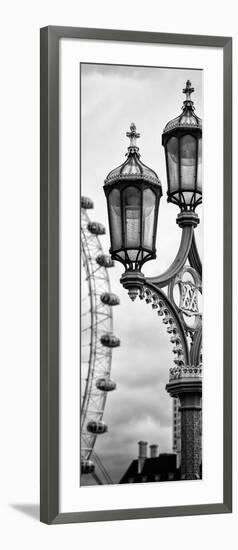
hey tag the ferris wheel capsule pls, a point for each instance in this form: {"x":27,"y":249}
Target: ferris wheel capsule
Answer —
{"x":110,"y":341}
{"x":105,"y":384}
{"x":110,"y":299}
{"x":86,"y":203}
{"x":96,"y":228}
{"x":87,"y":467}
{"x":104,"y":260}
{"x":97,"y":427}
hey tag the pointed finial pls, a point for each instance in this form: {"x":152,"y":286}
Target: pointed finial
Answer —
{"x":188,"y":90}
{"x":133,"y":135}
{"x":133,"y":293}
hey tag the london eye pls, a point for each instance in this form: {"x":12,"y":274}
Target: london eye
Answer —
{"x":97,"y":342}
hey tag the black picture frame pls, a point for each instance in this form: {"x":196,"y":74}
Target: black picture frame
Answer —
{"x":49,"y":275}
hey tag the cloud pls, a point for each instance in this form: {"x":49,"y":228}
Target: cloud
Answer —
{"x":112,"y":72}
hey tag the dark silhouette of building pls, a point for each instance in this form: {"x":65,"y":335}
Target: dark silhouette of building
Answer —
{"x":146,"y":469}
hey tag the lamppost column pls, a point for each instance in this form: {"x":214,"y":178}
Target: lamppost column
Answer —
{"x":189,"y":390}
{"x":190,"y":435}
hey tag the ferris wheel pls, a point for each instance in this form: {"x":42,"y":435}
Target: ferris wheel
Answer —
{"x":97,"y":341}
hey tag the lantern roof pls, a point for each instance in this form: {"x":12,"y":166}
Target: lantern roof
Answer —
{"x":132,"y":168}
{"x":187,"y":119}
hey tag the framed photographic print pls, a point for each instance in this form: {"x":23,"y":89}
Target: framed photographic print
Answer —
{"x":136,"y":275}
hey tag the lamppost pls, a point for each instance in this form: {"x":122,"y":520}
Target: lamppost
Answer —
{"x":133,"y":193}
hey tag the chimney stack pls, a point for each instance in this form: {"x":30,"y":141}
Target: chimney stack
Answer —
{"x":142,"y":449}
{"x":142,"y":455}
{"x":153,"y":451}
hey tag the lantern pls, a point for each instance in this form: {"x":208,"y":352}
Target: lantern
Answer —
{"x":133,"y":194}
{"x":182,"y":141}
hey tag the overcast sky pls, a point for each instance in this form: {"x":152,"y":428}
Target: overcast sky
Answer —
{"x":112,"y":98}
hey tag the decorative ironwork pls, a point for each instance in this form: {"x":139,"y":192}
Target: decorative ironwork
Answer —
{"x":185,"y":377}
{"x":189,"y":298}
{"x":188,"y":90}
{"x":182,"y":318}
{"x":133,"y":135}
{"x":185,"y":371}
{"x":188,"y":303}
{"x":170,"y":318}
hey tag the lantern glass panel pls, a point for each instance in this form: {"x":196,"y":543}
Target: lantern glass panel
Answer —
{"x":148,"y":217}
{"x":199,"y":173}
{"x":132,"y":206}
{"x":188,"y":147}
{"x":173,"y":164}
{"x":115,"y":219}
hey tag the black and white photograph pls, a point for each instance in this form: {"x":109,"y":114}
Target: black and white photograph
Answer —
{"x":119,"y":275}
{"x":141,"y":227}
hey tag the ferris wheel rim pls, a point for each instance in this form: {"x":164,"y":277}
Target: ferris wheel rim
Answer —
{"x":89,"y":439}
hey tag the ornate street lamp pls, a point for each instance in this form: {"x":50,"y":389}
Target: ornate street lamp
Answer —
{"x":133,"y":194}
